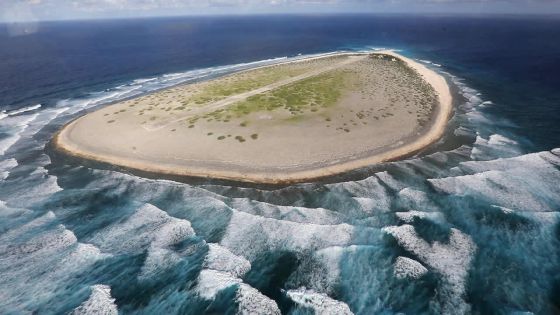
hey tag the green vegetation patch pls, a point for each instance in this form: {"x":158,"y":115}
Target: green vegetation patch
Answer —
{"x":308,"y":95}
{"x":235,"y":84}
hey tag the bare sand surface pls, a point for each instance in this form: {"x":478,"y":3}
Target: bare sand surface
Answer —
{"x":287,"y":123}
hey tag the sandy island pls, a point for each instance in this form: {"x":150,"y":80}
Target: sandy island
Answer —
{"x":279,"y":124}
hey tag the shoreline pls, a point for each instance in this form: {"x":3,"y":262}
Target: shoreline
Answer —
{"x":279,"y":176}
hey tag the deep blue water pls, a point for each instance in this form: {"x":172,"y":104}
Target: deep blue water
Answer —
{"x":472,"y":226}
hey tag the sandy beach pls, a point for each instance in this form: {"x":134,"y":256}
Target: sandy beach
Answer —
{"x":287,"y":123}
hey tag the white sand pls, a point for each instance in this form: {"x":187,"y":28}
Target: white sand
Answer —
{"x":282,"y":154}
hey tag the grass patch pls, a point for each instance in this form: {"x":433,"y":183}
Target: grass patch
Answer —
{"x":240,"y":83}
{"x":308,"y":95}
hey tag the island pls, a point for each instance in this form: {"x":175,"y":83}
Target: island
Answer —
{"x":290,"y":122}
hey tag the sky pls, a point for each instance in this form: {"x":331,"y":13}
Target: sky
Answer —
{"x":37,"y":10}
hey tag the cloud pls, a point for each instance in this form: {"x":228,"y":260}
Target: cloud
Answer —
{"x":65,"y":9}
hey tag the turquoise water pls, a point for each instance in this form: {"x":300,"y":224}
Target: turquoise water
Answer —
{"x":469,"y":226}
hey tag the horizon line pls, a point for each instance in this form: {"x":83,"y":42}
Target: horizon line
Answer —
{"x":279,"y":14}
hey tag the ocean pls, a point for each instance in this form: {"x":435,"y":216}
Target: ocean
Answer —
{"x":471,"y":225}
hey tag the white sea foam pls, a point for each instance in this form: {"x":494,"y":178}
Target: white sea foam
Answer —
{"x":414,"y":198}
{"x":429,"y":62}
{"x":546,"y":219}
{"x":148,"y":228}
{"x":7,"y":213}
{"x":319,"y":302}
{"x":390,"y":181}
{"x":225,"y":270}
{"x":41,"y":259}
{"x":5,"y":166}
{"x":495,"y":146}
{"x":46,"y":218}
{"x":472,"y":96}
{"x":542,"y":163}
{"x":549,"y":219}
{"x":29,"y":258}
{"x":35,"y":188}
{"x":369,"y":193}
{"x":221,"y":259}
{"x":148,"y":225}
{"x":14,"y":126}
{"x":47,"y":245}
{"x":464,"y":132}
{"x":497,"y":139}
{"x":44,"y":117}
{"x":516,"y":189}
{"x":408,"y":268}
{"x":359,"y":271}
{"x":210,"y":282}
{"x":249,"y":235}
{"x":158,"y":260}
{"x":145,"y":189}
{"x":479,"y":119}
{"x":140,"y":81}
{"x":250,"y":301}
{"x":288,"y":213}
{"x":451,"y":260}
{"x":43,"y":244}
{"x":322,"y":272}
{"x":23,"y":110}
{"x":172,"y":232}
{"x":227,"y":68}
{"x":409,"y":216}
{"x":430,"y":165}
{"x":100,"y":302}
{"x":376,"y":48}
{"x":361,"y":188}
{"x":369,"y":205}
{"x":99,"y":98}
{"x":504,"y":209}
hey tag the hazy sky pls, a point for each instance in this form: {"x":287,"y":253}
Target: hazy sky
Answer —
{"x":32,"y":10}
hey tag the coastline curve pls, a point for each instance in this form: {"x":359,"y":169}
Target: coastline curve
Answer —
{"x":63,"y":142}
